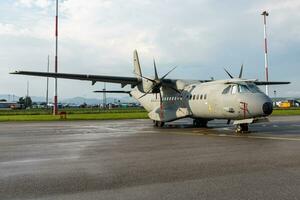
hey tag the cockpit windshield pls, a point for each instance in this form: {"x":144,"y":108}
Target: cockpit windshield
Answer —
{"x":253,"y":88}
{"x":241,"y":88}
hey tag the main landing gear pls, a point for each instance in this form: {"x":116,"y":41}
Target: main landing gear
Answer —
{"x":200,"y":123}
{"x":241,"y":128}
{"x":158,"y":123}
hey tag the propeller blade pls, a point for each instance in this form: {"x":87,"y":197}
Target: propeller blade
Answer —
{"x":146,"y":93}
{"x":149,"y":79}
{"x":167,"y":73}
{"x":161,"y":112}
{"x":228,"y":73}
{"x":174,"y":89}
{"x":241,"y":71}
{"x":155,"y":70}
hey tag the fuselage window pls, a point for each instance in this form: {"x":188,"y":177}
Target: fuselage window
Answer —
{"x":197,"y":97}
{"x":194,"y":97}
{"x":201,"y":96}
{"x":190,"y":97}
{"x":226,"y":90}
{"x":205,"y":96}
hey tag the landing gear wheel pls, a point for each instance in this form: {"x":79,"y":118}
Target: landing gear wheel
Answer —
{"x":200,"y":123}
{"x":159,"y":123}
{"x":242,"y":128}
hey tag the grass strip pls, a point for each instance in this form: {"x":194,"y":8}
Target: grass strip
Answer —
{"x":115,"y":114}
{"x":70,"y":111}
{"x":278,"y":112}
{"x":102,"y":116}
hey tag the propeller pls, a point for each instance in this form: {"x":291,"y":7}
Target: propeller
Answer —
{"x":228,"y":73}
{"x":157,"y":85}
{"x":240,"y":75}
{"x":241,"y":71}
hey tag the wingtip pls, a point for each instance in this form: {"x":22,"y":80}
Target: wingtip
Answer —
{"x":15,"y":72}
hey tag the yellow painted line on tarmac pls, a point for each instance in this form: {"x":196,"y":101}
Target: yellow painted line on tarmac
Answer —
{"x":194,"y":133}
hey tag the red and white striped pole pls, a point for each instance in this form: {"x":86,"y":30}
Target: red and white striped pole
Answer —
{"x":55,"y":108}
{"x":265,"y":14}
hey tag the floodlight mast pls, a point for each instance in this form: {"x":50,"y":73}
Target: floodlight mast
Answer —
{"x":47,"y":89}
{"x":55,"y":108}
{"x":265,"y":14}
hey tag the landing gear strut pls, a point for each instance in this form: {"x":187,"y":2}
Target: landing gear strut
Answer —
{"x":158,"y":123}
{"x":241,"y":128}
{"x":200,"y":123}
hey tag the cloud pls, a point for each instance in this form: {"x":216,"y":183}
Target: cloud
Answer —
{"x":12,"y":30}
{"x":199,"y":36}
{"x":33,"y":3}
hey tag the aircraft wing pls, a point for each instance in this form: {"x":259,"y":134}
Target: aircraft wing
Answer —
{"x":86,"y":77}
{"x":270,"y":82}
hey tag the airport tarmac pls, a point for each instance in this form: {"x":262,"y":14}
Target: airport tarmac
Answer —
{"x":130,"y":159}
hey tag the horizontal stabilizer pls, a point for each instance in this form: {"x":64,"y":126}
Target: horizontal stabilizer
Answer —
{"x":111,"y":91}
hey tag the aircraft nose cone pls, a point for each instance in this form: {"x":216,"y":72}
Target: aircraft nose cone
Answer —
{"x":267,"y":108}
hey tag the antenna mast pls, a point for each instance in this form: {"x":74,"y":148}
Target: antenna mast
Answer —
{"x":47,"y":90}
{"x":265,"y":14}
{"x":55,"y":108}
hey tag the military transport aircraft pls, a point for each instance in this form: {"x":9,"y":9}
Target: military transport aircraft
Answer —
{"x":167,"y":100}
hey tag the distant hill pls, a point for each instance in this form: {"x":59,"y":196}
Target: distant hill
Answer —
{"x":74,"y":100}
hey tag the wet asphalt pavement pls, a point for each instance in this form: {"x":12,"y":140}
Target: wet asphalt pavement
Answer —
{"x":130,"y":159}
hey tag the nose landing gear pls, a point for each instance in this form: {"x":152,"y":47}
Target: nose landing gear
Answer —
{"x":241,"y":128}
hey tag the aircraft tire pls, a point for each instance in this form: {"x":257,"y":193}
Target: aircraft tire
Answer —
{"x":242,"y":128}
{"x":159,"y":123}
{"x":200,"y":123}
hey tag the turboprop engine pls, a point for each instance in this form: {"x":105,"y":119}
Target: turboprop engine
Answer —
{"x":147,"y":85}
{"x":153,"y":85}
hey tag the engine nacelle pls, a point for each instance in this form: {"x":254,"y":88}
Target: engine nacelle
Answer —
{"x":147,"y":85}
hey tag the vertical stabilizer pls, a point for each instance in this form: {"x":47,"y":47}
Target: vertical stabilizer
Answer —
{"x":137,"y":67}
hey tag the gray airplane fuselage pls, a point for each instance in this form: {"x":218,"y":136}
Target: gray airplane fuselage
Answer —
{"x":209,"y":101}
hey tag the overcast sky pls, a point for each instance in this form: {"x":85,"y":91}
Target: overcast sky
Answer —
{"x":201,"y":37}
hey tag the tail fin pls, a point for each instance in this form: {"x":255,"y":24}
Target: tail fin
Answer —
{"x":137,"y":67}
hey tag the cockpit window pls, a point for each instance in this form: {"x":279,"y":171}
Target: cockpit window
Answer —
{"x":226,"y":90}
{"x":253,"y":88}
{"x":243,"y":89}
{"x":234,"y":89}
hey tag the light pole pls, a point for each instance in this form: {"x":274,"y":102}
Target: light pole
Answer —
{"x":47,"y":90}
{"x":55,"y":108}
{"x":265,"y":14}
